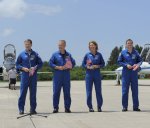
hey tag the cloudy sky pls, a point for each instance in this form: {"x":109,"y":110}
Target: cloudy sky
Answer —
{"x":109,"y":22}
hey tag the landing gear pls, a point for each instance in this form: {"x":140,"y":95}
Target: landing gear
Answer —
{"x":118,"y":82}
{"x":118,"y":79}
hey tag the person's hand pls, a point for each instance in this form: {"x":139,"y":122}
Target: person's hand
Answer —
{"x":25,"y":69}
{"x":67,"y":68}
{"x":129,"y":66}
{"x":90,"y":67}
{"x":135,"y":67}
{"x":60,"y":67}
{"x":96,"y":66}
{"x":32,"y":69}
{"x":64,"y":67}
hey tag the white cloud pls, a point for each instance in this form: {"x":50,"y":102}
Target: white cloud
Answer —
{"x":12,"y":9}
{"x":45,"y":9}
{"x":18,"y":8}
{"x":6,"y":32}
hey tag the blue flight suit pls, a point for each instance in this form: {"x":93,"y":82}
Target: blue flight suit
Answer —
{"x":61,"y":78}
{"x":93,"y":76}
{"x":129,"y":76}
{"x":28,"y":60}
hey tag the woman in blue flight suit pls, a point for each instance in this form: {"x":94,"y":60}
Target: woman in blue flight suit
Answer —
{"x":130,"y":60}
{"x":93,"y":61}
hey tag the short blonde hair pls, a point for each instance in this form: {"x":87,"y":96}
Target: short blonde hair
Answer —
{"x":63,"y":41}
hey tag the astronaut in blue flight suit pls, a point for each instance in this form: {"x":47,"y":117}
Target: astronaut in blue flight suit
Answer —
{"x":28,"y":62}
{"x":61,"y":62}
{"x":93,"y":61}
{"x":130,"y":60}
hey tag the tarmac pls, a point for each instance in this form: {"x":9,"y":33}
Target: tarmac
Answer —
{"x":111,"y":117}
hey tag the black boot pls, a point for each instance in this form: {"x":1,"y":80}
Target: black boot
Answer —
{"x":21,"y":112}
{"x":91,"y":110}
{"x":124,"y":110}
{"x":99,"y":109}
{"x":136,"y":109}
{"x":55,"y":110}
{"x":33,"y":112}
{"x":67,"y":110}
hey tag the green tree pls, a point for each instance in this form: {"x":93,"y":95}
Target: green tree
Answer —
{"x":138,"y":48}
{"x":114,"y":56}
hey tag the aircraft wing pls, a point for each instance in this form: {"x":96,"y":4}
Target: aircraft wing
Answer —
{"x":44,"y":72}
{"x":109,"y":73}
